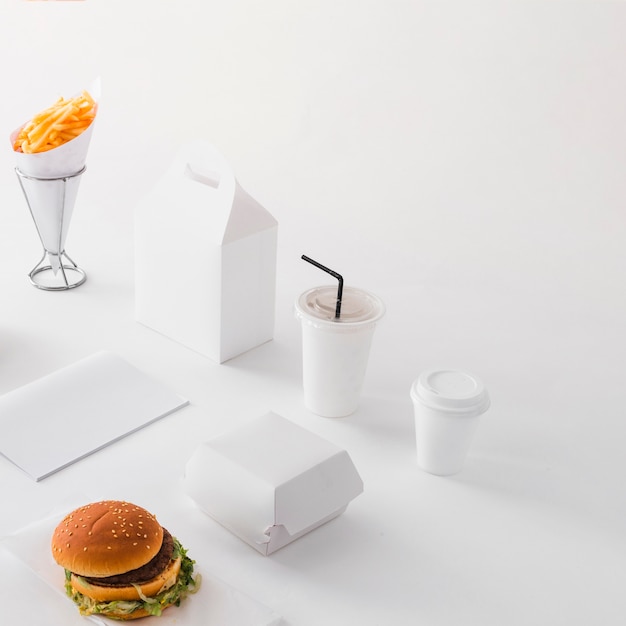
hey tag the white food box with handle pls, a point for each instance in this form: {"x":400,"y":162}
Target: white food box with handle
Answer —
{"x":205,"y":258}
{"x":270,"y":481}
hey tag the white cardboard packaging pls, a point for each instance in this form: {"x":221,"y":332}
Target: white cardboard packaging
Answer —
{"x":205,"y":258}
{"x":271,"y":481}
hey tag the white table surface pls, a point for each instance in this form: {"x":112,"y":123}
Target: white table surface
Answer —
{"x":465,"y":161}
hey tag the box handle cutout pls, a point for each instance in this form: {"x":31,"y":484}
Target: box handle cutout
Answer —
{"x":209,"y":178}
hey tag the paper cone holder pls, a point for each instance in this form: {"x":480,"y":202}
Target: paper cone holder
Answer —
{"x":66,"y":275}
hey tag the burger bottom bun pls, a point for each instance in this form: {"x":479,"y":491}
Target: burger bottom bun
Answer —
{"x":136,"y":614}
{"x":165,"y":580}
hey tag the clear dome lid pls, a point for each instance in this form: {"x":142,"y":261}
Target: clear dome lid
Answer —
{"x":318,"y":305}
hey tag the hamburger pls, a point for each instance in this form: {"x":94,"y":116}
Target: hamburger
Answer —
{"x":120,"y":562}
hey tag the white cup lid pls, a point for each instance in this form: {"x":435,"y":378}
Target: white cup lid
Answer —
{"x":451,"y":391}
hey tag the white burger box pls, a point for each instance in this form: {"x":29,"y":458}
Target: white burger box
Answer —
{"x":205,"y":258}
{"x":271,"y":481}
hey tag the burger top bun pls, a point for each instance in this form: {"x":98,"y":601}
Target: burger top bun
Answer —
{"x":106,"y":539}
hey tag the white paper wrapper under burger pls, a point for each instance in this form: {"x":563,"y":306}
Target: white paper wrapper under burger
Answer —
{"x":335,"y":352}
{"x":52,"y":211}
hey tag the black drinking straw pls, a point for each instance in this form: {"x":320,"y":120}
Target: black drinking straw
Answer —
{"x":339,"y":277}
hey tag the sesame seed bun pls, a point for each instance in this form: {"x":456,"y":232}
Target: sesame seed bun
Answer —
{"x":120,"y":562}
{"x":106,"y":538}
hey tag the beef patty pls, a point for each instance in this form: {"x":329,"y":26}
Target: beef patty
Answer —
{"x":144,"y":573}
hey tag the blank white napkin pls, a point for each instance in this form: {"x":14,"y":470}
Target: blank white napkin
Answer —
{"x":59,"y":419}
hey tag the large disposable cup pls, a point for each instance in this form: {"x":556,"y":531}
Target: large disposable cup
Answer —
{"x":335,"y":351}
{"x":447,"y":406}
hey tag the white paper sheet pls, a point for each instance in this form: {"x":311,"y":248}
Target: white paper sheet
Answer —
{"x":214,"y":604}
{"x":59,"y":419}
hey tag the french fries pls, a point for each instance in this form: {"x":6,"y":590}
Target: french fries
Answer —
{"x":56,"y":125}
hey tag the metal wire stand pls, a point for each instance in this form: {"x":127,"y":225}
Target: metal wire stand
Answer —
{"x":66,"y":275}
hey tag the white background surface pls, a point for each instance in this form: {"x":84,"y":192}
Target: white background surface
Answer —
{"x":463,"y":160}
